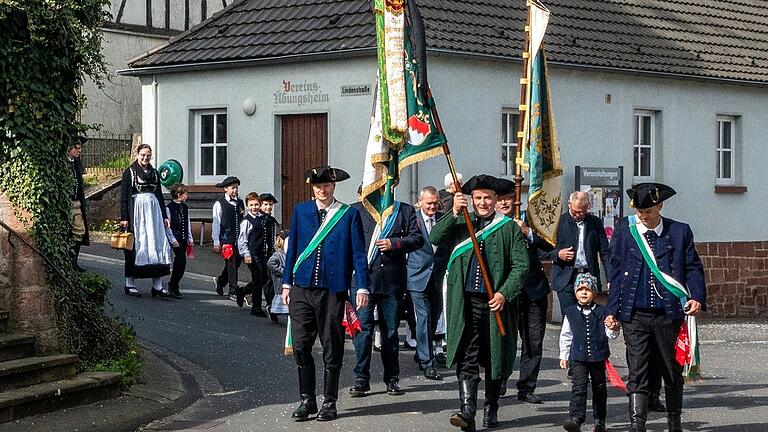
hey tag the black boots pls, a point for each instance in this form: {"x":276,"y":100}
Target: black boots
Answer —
{"x":331,"y":390}
{"x":74,"y":255}
{"x":674,"y":398}
{"x":308,"y":405}
{"x":638,"y":411}
{"x":465,"y":419}
{"x":491,"y":408}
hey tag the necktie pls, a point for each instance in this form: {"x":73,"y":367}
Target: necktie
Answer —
{"x":430,"y":223}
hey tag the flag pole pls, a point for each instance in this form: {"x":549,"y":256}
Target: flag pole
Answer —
{"x":523,"y":109}
{"x":475,"y":245}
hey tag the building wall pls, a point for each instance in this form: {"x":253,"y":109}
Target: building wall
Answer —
{"x":470,"y":95}
{"x":117,"y":106}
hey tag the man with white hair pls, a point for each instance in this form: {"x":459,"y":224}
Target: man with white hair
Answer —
{"x":580,"y":239}
{"x":446,"y":195}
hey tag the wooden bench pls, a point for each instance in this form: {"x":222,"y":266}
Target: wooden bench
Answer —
{"x":200,"y":203}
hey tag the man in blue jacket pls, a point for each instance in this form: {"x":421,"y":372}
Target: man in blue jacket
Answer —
{"x":651,"y":310}
{"x":325,"y":245}
{"x":387,"y":245}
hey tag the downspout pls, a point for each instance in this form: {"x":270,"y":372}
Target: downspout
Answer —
{"x":154,"y":110}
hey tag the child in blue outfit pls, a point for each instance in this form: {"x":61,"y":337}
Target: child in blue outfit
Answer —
{"x":584,"y":348}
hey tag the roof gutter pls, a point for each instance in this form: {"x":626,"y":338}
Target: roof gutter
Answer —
{"x":358,"y":52}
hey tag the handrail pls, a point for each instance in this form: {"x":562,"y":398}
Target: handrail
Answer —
{"x":34,"y":248}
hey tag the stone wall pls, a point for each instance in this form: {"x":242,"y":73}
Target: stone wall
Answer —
{"x":23,"y":290}
{"x":737,"y":278}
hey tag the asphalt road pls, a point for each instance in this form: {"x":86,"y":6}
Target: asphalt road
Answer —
{"x":259,"y":384}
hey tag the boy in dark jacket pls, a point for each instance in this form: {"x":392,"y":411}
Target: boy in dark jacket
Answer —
{"x":179,"y":235}
{"x":584,"y":347}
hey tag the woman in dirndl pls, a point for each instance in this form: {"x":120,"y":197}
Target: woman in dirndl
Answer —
{"x":142,"y":212}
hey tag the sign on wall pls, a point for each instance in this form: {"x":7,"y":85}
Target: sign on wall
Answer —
{"x":356,"y":90}
{"x":605,"y":187}
{"x":299,"y":94}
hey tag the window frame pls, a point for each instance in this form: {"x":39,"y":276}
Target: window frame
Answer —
{"x":214,"y":178}
{"x":637,"y":115}
{"x":511,"y":135}
{"x":720,"y":120}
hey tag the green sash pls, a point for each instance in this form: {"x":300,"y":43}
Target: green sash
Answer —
{"x":335,"y":212}
{"x":499,"y":220}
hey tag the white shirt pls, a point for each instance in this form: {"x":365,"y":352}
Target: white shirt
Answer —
{"x":217,"y":218}
{"x":642,"y":229}
{"x":566,"y":335}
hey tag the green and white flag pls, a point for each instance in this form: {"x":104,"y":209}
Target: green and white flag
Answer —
{"x":541,"y":153}
{"x":401,"y":59}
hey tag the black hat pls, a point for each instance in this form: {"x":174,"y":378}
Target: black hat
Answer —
{"x":483,"y":181}
{"x":325,"y":174}
{"x":646,"y":195}
{"x":506,"y":187}
{"x":228,"y":181}
{"x":268,"y":197}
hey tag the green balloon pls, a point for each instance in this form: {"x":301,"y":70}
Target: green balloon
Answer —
{"x":170,"y":172}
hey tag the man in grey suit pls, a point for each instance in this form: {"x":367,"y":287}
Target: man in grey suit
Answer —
{"x":426,"y":267}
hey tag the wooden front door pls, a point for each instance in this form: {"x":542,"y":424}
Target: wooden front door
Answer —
{"x":304,"y":145}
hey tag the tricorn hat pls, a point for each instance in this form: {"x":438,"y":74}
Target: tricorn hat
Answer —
{"x":483,"y":181}
{"x":268,"y":197}
{"x":646,"y":195}
{"x":228,"y":181}
{"x":325,"y":174}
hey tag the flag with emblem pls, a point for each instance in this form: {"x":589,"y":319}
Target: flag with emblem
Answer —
{"x":541,"y":155}
{"x":402,"y":130}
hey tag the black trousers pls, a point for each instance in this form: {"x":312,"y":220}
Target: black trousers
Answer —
{"x":179,"y":264}
{"x":582,"y":373}
{"x":406,"y":312}
{"x":228,"y":275}
{"x":313,"y":312}
{"x":259,"y":279}
{"x":474,"y":349}
{"x":648,"y":334}
{"x":532,"y":323}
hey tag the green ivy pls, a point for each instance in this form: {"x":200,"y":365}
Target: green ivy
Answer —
{"x":47,"y":49}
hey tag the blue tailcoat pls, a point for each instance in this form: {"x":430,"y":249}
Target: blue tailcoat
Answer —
{"x":343,"y":250}
{"x":675,"y":255}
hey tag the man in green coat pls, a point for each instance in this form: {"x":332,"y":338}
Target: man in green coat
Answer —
{"x":474,"y":338}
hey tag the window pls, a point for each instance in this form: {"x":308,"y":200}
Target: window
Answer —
{"x":509,"y":124}
{"x":644,"y":145}
{"x":211,"y":140}
{"x":726,"y":150}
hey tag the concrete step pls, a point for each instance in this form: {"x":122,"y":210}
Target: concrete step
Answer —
{"x":29,"y":371}
{"x":16,"y":346}
{"x":83,"y":389}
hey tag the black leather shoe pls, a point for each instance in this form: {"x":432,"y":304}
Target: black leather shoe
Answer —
{"x":327,"y":412}
{"x":258,"y":311}
{"x":307,"y":407}
{"x":572,"y":425}
{"x":160,"y":293}
{"x":440,"y":359}
{"x":174,"y":292}
{"x":431,"y":373}
{"x":393,"y":388}
{"x":219,"y":286}
{"x":272,"y":316}
{"x":529,"y":398}
{"x":408,"y":346}
{"x":132,"y":291}
{"x":359,"y":389}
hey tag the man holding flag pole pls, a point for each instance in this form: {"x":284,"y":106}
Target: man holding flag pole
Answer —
{"x":657,"y":289}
